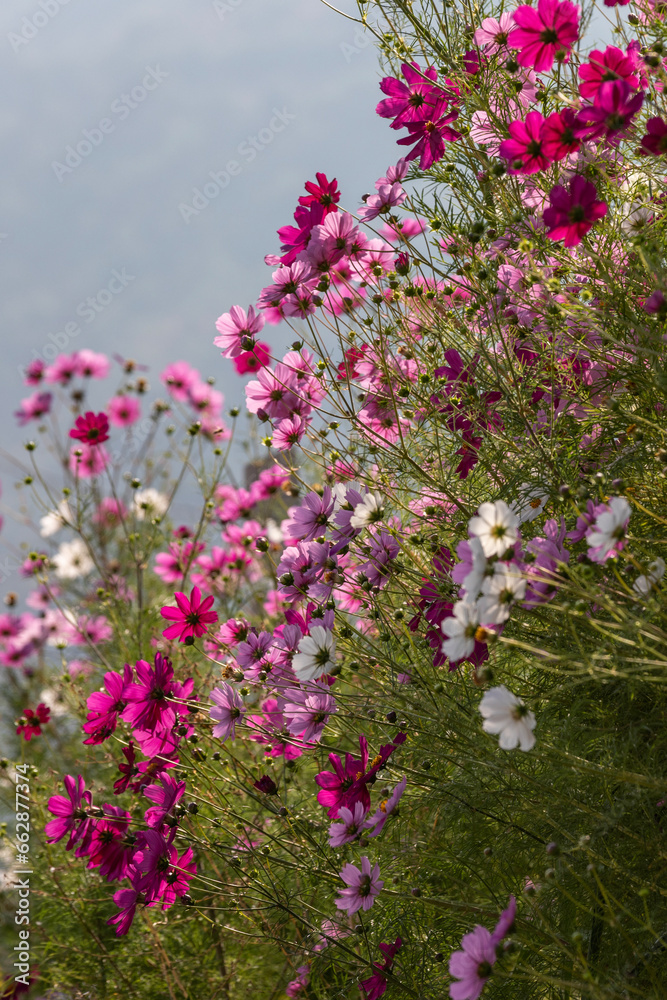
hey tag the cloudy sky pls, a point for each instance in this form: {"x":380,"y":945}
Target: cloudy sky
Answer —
{"x":114,"y":116}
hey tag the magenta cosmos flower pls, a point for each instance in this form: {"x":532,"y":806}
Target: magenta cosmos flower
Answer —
{"x":558,"y":138}
{"x":33,"y":407}
{"x":228,"y":709}
{"x":541,"y":33}
{"x":92,"y":428}
{"x":612,"y":64}
{"x":525,"y":148}
{"x":363,"y":885}
{"x":654,"y":143}
{"x":33,"y":720}
{"x":405,"y":101}
{"x":152,"y":702}
{"x":376,"y":985}
{"x":571,"y":214}
{"x":71,"y":813}
{"x":191,"y":618}
{"x":430,"y":134}
{"x":611,"y":113}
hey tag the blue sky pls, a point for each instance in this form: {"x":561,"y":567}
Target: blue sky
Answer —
{"x":113,"y":117}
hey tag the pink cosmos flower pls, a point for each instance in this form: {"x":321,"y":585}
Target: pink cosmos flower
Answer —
{"x":91,"y":364}
{"x":92,"y":428}
{"x":571,"y":214}
{"x":430,"y":135}
{"x":237,"y":330}
{"x":163,"y":875}
{"x":299,"y":984}
{"x":611,"y":113}
{"x":654,"y":142}
{"x":251,"y":361}
{"x":558,"y":138}
{"x":524,"y":148}
{"x":376,"y":985}
{"x":110,"y":512}
{"x":612,"y":64}
{"x":307,"y":713}
{"x":108,"y":848}
{"x":324,"y":192}
{"x":179,"y":377}
{"x":165,"y":796}
{"x":492,"y":35}
{"x":152,"y":702}
{"x":473,"y":965}
{"x":32,"y":721}
{"x":405,"y":102}
{"x":104,"y":709}
{"x":350,"y":826}
{"x":228,"y":709}
{"x":33,"y":407}
{"x":656,"y":304}
{"x":191,"y":617}
{"x":63,"y":369}
{"x":34,"y":372}
{"x":123,"y":411}
{"x":88,"y":460}
{"x":127,"y":901}
{"x":375,"y":823}
{"x":363,"y":885}
{"x":71,"y":812}
{"x":541,"y":33}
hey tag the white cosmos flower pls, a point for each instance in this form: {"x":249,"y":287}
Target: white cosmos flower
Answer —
{"x":609,"y":528}
{"x":149,"y":503}
{"x":273,"y":531}
{"x":529,"y":504}
{"x":500,"y":591}
{"x":72,"y":560}
{"x":507,"y":716}
{"x":316,"y":656}
{"x":644,"y":584}
{"x":460,"y":631}
{"x":369,"y":511}
{"x":496,"y":527}
{"x":55,"y":519}
{"x":472,"y":582}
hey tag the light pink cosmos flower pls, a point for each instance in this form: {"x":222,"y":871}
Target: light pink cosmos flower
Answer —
{"x":363,"y":886}
{"x":540,"y":34}
{"x":33,"y":407}
{"x":307,"y":712}
{"x":607,"y":536}
{"x":351,"y":825}
{"x":88,"y":460}
{"x":375,"y":823}
{"x":91,"y":364}
{"x":473,"y":965}
{"x":178,"y":377}
{"x":227,"y":710}
{"x":492,"y":35}
{"x":123,"y":411}
{"x":237,"y":330}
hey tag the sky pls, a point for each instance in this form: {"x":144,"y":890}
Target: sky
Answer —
{"x":151,"y":148}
